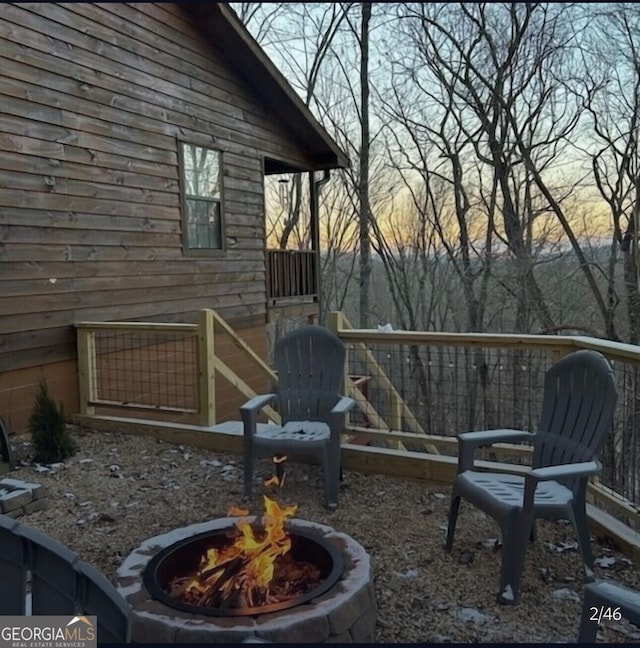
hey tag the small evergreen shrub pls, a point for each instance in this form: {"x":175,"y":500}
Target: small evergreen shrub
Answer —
{"x":49,"y":435}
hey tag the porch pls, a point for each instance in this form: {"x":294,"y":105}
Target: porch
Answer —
{"x":421,"y":390}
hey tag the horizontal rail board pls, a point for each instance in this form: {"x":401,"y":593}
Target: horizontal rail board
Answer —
{"x":139,"y":326}
{"x":142,"y":406}
{"x":613,"y":350}
{"x":450,"y":443}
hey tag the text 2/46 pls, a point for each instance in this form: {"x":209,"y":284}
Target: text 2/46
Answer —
{"x":603,"y":613}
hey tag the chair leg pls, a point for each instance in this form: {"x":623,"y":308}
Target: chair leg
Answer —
{"x":515,"y":537}
{"x":453,"y":518}
{"x":584,"y":541}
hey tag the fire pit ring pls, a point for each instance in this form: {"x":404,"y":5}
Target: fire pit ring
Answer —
{"x":187,"y":552}
{"x":345,"y":613}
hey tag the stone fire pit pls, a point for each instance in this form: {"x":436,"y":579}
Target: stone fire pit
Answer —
{"x":346,"y":613}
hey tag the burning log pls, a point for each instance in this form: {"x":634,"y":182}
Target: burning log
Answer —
{"x":253,"y":569}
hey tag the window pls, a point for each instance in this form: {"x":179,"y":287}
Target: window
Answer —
{"x":201,"y":197}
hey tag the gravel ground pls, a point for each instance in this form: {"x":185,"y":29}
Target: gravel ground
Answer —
{"x":119,"y":490}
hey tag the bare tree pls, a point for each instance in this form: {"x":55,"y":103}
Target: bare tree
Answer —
{"x":258,"y":17}
{"x":303,"y":41}
{"x":502,"y":77}
{"x":613,"y":101}
{"x":339,"y":240}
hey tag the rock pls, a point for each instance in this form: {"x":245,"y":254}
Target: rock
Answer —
{"x":471,"y":615}
{"x":413,"y":572}
{"x":605,"y":562}
{"x":566,"y":594}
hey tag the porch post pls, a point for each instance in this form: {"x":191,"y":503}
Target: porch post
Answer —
{"x":315,"y":236}
{"x":314,"y":194}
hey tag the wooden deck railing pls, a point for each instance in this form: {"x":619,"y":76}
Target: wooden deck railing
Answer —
{"x":453,"y":382}
{"x":291,"y":274}
{"x":422,"y":389}
{"x":159,"y":367}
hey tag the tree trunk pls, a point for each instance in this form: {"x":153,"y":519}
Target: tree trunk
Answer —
{"x":363,"y":189}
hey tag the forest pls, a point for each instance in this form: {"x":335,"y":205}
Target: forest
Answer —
{"x":494,"y":174}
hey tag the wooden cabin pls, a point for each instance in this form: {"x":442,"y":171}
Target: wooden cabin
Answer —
{"x":135,"y":140}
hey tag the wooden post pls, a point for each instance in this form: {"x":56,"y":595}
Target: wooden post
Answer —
{"x":395,"y":413}
{"x":206,"y":368}
{"x":87,"y":378}
{"x":335,"y":323}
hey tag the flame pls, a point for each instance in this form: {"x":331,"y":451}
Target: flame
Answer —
{"x":243,"y":570}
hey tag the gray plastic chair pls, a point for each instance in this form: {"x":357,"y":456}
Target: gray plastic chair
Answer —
{"x":579,"y":399}
{"x":61,"y":584}
{"x":310,"y":365}
{"x":609,"y":599}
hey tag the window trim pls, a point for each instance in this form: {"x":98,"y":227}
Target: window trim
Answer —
{"x":186,"y":249}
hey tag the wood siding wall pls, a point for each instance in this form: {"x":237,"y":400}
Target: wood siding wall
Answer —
{"x":93,"y":99}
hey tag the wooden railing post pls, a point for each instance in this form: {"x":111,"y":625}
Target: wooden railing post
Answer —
{"x":206,"y":368}
{"x":87,"y":379}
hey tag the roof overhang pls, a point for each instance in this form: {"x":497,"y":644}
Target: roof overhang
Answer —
{"x":223,"y":26}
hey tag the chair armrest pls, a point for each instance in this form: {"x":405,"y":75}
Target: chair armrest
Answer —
{"x":468,"y":442}
{"x":336,"y":416}
{"x":249,"y":412}
{"x":257,"y":403}
{"x":344,"y":405}
{"x":564,"y":471}
{"x":555,"y":473}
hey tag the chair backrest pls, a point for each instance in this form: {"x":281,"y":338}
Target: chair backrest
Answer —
{"x":310,"y":365}
{"x":577,"y":409}
{"x":60,"y":583}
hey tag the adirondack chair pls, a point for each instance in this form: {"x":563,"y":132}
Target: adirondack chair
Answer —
{"x":60,"y":583}
{"x":310,"y":365}
{"x":579,"y":399}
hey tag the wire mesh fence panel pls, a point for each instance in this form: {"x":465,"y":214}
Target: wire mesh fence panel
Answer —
{"x":620,"y":457}
{"x":147,"y":369}
{"x":456,"y":388}
{"x":452,"y":389}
